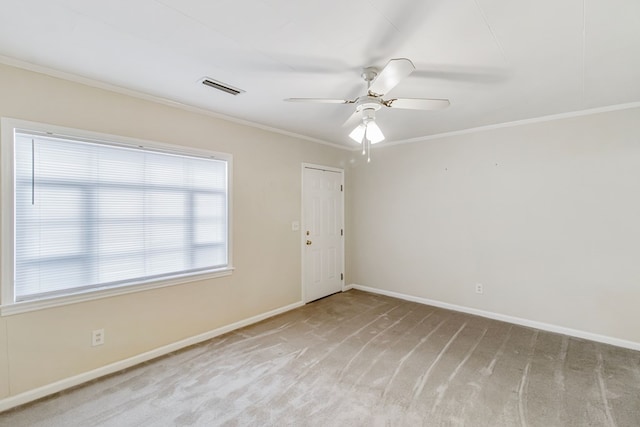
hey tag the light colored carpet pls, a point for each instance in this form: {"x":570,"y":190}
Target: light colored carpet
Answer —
{"x":361,"y":359}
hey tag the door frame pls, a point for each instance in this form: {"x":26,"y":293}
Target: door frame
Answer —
{"x":303,"y":237}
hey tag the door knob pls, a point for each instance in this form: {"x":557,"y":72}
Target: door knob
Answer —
{"x":308,"y":242}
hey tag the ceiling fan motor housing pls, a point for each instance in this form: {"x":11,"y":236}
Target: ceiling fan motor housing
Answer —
{"x":368,"y":102}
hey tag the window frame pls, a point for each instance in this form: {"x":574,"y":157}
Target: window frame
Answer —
{"x":8,"y":127}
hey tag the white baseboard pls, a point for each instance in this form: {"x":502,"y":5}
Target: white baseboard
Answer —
{"x":40,"y":392}
{"x":503,"y":317}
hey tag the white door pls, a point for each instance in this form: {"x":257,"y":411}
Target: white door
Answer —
{"x":322,"y":231}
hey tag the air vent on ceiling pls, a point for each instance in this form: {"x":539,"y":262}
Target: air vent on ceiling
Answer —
{"x":221,"y":86}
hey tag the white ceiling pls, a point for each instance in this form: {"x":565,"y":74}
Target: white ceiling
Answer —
{"x":496,"y":60}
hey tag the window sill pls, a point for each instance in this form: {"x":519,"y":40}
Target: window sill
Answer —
{"x":26,"y":306}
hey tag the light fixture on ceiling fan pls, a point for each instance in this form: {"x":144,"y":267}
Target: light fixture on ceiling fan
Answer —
{"x":367,"y":132}
{"x":379,"y":83}
{"x":368,"y":129}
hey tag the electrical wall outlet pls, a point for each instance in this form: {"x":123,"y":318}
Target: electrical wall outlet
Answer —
{"x":479,"y":288}
{"x":97,"y":337}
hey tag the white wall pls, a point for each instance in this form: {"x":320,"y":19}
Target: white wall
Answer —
{"x":546,"y":216}
{"x":41,"y":347}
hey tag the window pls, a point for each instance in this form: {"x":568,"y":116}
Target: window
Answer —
{"x":90,"y":215}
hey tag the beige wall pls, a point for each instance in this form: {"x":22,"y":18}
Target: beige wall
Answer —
{"x":546,"y":216}
{"x":40,"y":347}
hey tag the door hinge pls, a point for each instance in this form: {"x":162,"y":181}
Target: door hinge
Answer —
{"x":341,"y":187}
{"x":341,"y":232}
{"x":341,"y":276}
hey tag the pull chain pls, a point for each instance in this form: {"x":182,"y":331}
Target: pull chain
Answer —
{"x":364,"y":141}
{"x":366,"y":146}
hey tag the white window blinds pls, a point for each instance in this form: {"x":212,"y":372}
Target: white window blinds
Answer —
{"x":91,"y":215}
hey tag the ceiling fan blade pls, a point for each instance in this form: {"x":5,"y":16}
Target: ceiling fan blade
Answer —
{"x":320,"y":100}
{"x":418,"y":103}
{"x":353,"y":119}
{"x":465,"y":74}
{"x":391,"y":75}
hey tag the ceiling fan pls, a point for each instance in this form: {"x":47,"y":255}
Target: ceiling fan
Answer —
{"x":378,"y":84}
